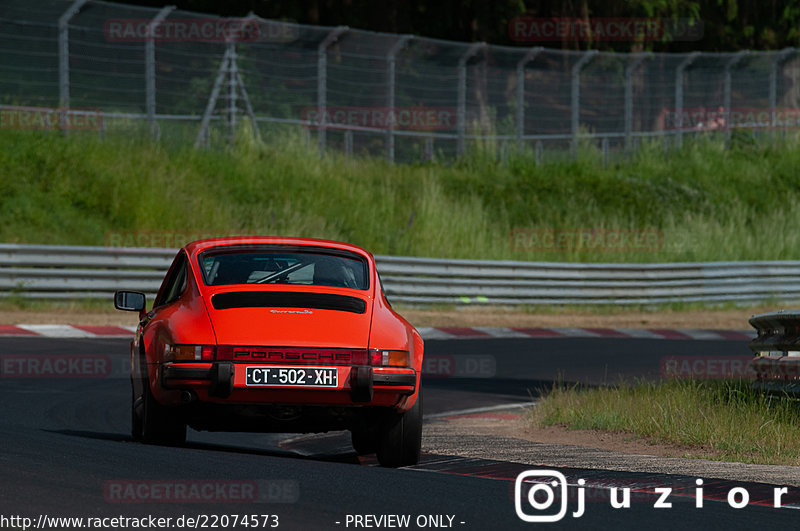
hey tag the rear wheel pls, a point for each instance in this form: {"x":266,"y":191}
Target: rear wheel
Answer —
{"x":151,"y":422}
{"x":160,"y":425}
{"x":365,"y":441}
{"x":136,"y":415}
{"x":400,"y":439}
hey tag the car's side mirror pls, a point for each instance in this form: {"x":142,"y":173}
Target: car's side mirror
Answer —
{"x":132,"y":301}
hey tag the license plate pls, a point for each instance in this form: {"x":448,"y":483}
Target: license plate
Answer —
{"x":291,"y":376}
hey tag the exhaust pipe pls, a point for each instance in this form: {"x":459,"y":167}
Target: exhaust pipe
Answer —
{"x":187,"y":397}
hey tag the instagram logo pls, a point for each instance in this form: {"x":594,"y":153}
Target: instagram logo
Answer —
{"x":543,"y":486}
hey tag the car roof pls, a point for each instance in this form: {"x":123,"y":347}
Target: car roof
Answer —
{"x":198,"y":246}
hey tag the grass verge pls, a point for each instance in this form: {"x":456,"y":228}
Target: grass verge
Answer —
{"x":723,"y":316}
{"x":17,"y":303}
{"x":706,"y":202}
{"x":720,"y":420}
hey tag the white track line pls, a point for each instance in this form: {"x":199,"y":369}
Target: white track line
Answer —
{"x":434,"y":333}
{"x":500,"y":332}
{"x":697,"y":334}
{"x":486,"y":409}
{"x":574,"y":332}
{"x":638,"y":333}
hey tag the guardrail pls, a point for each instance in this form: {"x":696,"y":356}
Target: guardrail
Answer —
{"x":57,"y":272}
{"x":777,"y":348}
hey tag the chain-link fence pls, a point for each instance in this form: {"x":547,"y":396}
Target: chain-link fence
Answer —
{"x":188,"y":77}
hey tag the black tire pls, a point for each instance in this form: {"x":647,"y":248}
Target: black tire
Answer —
{"x":151,"y":422}
{"x":136,"y":415}
{"x":400,"y":439}
{"x":138,"y":377}
{"x":160,"y":425}
{"x":365,"y":441}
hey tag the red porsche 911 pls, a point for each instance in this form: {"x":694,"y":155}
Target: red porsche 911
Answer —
{"x":276,"y":335}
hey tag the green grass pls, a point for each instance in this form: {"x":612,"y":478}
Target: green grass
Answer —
{"x":709,"y":203}
{"x":13,"y":303}
{"x":722,"y":420}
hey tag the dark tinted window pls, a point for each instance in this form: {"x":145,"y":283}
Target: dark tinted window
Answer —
{"x":175,"y":285}
{"x":341,"y":270}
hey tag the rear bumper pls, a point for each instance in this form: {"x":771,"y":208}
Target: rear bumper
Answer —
{"x":396,"y":380}
{"x":224,"y":382}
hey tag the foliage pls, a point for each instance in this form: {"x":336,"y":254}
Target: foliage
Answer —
{"x":726,"y":420}
{"x":727,"y":24}
{"x":707,"y":203}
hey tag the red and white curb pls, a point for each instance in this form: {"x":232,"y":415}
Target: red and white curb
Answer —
{"x":641,"y":333}
{"x":66,"y":331}
{"x":88,"y":331}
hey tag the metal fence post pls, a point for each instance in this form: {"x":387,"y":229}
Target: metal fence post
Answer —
{"x":150,"y":69}
{"x":391,"y":59}
{"x":348,"y":143}
{"x":682,"y":66}
{"x":63,"y":59}
{"x":727,"y":93}
{"x":232,"y":110}
{"x":462,"y":93}
{"x":777,"y":60}
{"x":428,"y":154}
{"x":202,"y":135}
{"x":530,"y":56}
{"x":504,"y":152}
{"x":464,"y":57}
{"x":322,"y":83}
{"x":633,"y":65}
{"x":575,"y":77}
{"x":237,"y":81}
{"x":248,"y":107}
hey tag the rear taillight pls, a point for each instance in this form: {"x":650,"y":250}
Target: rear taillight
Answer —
{"x":189,"y":352}
{"x":360,"y":357}
{"x":389,"y":358}
{"x":316,"y":356}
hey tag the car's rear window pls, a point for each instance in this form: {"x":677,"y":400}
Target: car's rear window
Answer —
{"x":311,"y":268}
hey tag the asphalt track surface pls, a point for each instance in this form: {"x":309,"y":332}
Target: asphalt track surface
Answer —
{"x":66,"y":447}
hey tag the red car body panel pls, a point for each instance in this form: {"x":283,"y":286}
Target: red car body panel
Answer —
{"x":192,"y":319}
{"x":322,"y":328}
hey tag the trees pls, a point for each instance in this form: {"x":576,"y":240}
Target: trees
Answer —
{"x":727,"y":24}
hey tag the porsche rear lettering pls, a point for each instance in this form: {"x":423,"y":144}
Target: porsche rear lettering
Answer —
{"x":279,"y":356}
